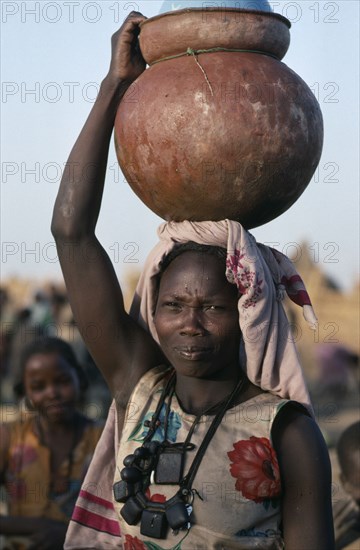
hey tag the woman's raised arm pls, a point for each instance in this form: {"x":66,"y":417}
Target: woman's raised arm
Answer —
{"x":121,"y":349}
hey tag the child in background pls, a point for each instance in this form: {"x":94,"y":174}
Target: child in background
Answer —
{"x":44,"y":455}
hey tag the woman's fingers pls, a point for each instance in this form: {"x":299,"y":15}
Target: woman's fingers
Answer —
{"x":127,"y":62}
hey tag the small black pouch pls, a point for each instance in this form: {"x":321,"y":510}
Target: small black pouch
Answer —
{"x":154,"y":524}
{"x":176,"y":513}
{"x":123,"y":490}
{"x":132,"y":510}
{"x":169,"y":467}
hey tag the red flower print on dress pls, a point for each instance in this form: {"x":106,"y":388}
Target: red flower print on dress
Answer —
{"x":133,"y":543}
{"x":156,"y":497}
{"x":255,"y":468}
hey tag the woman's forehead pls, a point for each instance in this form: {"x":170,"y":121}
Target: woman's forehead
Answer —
{"x":193,"y":267}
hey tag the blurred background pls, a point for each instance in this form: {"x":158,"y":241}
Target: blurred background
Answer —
{"x":53,"y":58}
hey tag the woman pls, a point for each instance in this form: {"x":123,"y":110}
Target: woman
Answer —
{"x":174,"y":369}
{"x":45,"y":454}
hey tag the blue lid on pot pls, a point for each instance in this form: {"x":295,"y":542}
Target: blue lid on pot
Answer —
{"x":173,"y":5}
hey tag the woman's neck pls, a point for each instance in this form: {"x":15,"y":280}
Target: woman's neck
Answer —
{"x":198,"y":395}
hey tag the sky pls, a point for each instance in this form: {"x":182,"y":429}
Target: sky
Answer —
{"x":54,"y":55}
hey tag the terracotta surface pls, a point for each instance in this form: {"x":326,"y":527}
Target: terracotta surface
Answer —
{"x":196,"y":28}
{"x":220,"y":135}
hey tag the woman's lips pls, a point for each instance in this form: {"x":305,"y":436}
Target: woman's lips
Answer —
{"x":193,"y":353}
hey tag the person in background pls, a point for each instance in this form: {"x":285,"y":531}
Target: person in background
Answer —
{"x":338,"y":368}
{"x":347,"y":510}
{"x":45,"y":454}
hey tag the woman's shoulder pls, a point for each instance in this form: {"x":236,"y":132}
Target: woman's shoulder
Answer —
{"x":306,"y":478}
{"x":254,"y":396}
{"x":296,"y":433}
{"x":257,"y":405}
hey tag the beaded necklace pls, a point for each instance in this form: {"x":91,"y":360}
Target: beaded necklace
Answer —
{"x":163,"y":462}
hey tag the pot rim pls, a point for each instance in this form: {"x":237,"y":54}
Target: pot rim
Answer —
{"x":211,"y":9}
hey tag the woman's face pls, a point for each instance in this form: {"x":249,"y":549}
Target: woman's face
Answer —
{"x":196,"y":317}
{"x":52,"y":385}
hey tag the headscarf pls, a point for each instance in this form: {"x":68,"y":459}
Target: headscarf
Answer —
{"x":263,"y":275}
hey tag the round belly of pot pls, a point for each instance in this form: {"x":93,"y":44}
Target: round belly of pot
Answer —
{"x":221,"y":134}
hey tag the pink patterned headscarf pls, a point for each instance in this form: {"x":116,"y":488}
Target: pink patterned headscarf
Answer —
{"x":268,"y":354}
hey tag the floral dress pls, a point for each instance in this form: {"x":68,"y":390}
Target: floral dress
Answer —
{"x":238,"y":489}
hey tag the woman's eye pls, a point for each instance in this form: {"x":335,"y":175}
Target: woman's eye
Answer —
{"x":172,"y":305}
{"x":213,"y":308}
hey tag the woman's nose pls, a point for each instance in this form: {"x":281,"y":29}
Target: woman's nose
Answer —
{"x":192,"y":322}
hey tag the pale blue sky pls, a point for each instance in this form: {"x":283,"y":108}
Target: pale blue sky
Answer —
{"x":54,"y":55}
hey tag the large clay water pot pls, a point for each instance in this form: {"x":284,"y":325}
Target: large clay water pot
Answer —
{"x":208,"y":135}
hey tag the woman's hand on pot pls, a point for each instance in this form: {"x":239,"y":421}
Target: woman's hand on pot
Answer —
{"x":127,"y":62}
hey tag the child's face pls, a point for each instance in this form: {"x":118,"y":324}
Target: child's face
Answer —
{"x":52,"y":385}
